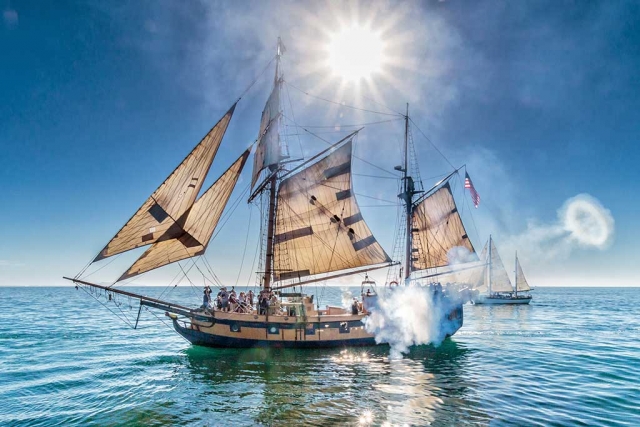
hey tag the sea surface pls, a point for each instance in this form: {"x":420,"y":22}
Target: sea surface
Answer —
{"x":571,"y":358}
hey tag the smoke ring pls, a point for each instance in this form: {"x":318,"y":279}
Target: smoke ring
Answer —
{"x":588,"y":222}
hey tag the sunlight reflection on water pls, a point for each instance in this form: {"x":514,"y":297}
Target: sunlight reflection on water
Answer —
{"x":564,"y":360}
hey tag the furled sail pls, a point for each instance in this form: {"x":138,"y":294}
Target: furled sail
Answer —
{"x":437,"y":229}
{"x":268,"y":151}
{"x":500,"y":281}
{"x":191,"y":239}
{"x":319,"y":227}
{"x":521,"y":281}
{"x":158,"y":215}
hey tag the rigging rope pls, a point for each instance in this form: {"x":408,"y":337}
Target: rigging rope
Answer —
{"x":354,"y":156}
{"x":348,"y":126}
{"x":246,"y":240}
{"x":256,"y":78}
{"x":342,"y":104}
{"x":432,"y":144}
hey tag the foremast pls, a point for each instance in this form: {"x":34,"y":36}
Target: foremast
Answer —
{"x":273,"y":183}
{"x":433,"y":225}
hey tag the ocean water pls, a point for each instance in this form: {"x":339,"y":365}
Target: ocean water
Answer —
{"x":571,"y":358}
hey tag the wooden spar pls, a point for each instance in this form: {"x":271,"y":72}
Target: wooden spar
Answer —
{"x":262,"y":186}
{"x":321,"y":153}
{"x":130,"y":294}
{"x":335,"y":276}
{"x":435,"y":187}
{"x":451,"y":271}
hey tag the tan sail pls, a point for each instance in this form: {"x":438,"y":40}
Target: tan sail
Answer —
{"x":199,"y":223}
{"x":268,"y":148}
{"x":158,"y":215}
{"x":437,"y":229}
{"x":500,"y":281}
{"x":521,"y":281}
{"x":319,"y":227}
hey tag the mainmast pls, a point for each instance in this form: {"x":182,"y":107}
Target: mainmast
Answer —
{"x":273,"y":182}
{"x":408,"y":191}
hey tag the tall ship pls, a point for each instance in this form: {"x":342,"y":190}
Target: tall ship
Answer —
{"x":312,"y":231}
{"x":494,"y":285}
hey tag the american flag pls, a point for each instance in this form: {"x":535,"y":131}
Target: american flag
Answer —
{"x":475,"y":197}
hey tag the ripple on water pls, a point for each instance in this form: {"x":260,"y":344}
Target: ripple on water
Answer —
{"x":571,"y":358}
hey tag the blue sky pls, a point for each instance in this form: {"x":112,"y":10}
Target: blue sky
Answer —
{"x":99,"y":101}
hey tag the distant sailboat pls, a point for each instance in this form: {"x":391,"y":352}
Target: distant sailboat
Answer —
{"x":312,"y":231}
{"x":494,"y":285}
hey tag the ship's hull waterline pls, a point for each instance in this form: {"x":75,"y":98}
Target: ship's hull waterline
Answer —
{"x":483,"y":299}
{"x":235,"y":330}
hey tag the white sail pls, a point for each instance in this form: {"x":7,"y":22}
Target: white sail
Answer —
{"x":157,"y":216}
{"x":268,"y":151}
{"x":191,"y":239}
{"x":437,"y":229}
{"x":500,"y":281}
{"x":521,"y":281}
{"x":319,"y":227}
{"x":482,"y":284}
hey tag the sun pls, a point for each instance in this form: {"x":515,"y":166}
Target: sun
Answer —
{"x":356,"y":53}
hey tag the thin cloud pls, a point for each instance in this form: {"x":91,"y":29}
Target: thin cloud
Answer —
{"x":9,"y":263}
{"x":10,"y":18}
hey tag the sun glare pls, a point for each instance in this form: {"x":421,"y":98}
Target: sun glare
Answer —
{"x":356,"y":53}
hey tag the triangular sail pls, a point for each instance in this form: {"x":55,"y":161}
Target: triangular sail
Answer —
{"x":479,"y":281}
{"x":437,"y":229}
{"x":521,"y":281}
{"x":500,"y":281}
{"x":268,"y":151}
{"x":160,"y":213}
{"x":199,"y":223}
{"x":319,"y":227}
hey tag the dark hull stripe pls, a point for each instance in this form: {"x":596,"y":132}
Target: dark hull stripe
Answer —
{"x":210,"y":340}
{"x":309,"y":324}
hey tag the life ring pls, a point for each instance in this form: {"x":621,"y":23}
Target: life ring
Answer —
{"x":393,"y":282}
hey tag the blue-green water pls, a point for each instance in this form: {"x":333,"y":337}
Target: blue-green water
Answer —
{"x":571,"y":358}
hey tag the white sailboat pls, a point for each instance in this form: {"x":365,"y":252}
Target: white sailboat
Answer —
{"x":494,"y":286}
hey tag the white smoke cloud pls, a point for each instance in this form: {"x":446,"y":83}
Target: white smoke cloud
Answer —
{"x":582,"y":223}
{"x":406,"y":316}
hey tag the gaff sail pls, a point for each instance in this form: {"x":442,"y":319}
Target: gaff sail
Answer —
{"x":437,"y":229}
{"x":319,"y":227}
{"x":160,"y":212}
{"x":190,"y":235}
{"x":521,"y":281}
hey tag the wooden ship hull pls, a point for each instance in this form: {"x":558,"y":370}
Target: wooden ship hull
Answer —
{"x":250,"y":330}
